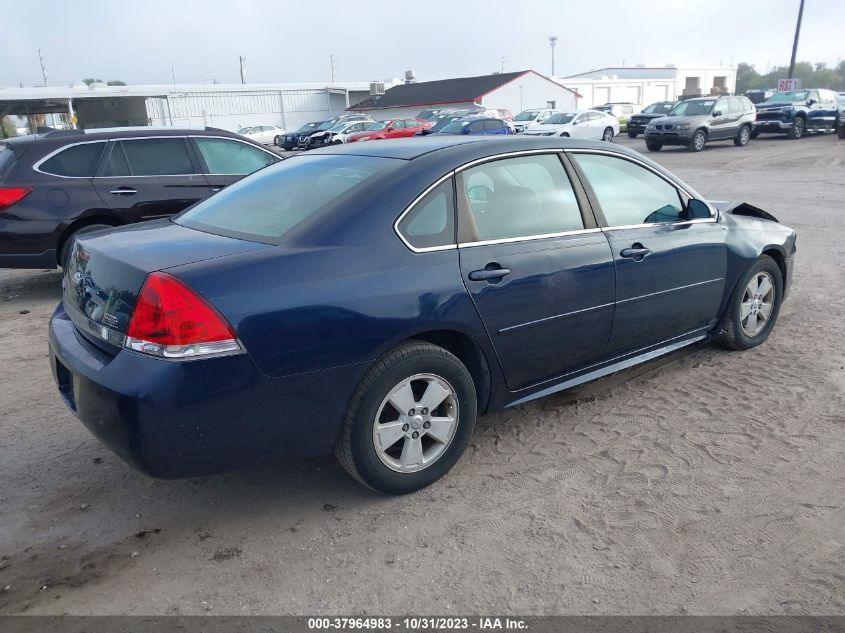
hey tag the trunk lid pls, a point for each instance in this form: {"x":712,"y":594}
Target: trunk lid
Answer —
{"x":107,"y":269}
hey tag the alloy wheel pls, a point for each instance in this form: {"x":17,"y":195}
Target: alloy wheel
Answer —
{"x":608,"y":135}
{"x":415,"y":423}
{"x":698,"y":141}
{"x":757,"y":304}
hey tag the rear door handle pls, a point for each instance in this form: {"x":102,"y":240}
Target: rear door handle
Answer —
{"x":125,"y":191}
{"x":637,"y":252}
{"x":488,"y":273}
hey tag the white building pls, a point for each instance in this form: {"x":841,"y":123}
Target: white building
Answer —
{"x":514,"y":91}
{"x":227,"y":106}
{"x":643,"y":85}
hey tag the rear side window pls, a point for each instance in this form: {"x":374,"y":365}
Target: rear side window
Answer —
{"x":149,"y":157}
{"x":493,"y":124}
{"x":77,"y":161}
{"x":269,"y":204}
{"x":431,"y":222}
{"x":223,"y":156}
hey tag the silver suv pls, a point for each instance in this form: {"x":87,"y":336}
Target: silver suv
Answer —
{"x":696,"y":122}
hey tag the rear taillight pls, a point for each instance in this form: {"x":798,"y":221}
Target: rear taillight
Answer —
{"x":12,"y":195}
{"x":172,"y":321}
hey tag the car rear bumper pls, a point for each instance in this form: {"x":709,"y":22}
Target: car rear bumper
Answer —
{"x":179,"y":419}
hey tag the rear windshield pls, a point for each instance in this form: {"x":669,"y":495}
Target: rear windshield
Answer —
{"x":7,"y":159}
{"x":266,"y":206}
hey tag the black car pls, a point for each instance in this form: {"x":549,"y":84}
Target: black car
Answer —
{"x":301,"y":139}
{"x":638,"y":122}
{"x":58,"y":186}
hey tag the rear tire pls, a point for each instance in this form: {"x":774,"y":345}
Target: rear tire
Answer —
{"x":841,"y":131}
{"x":366,"y":447}
{"x":607,"y":135}
{"x":741,"y":139}
{"x":798,"y":129}
{"x":698,"y":141}
{"x":737,"y":331}
{"x":654,"y":147}
{"x":67,"y":247}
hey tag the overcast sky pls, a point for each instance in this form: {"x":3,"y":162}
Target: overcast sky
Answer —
{"x":285,"y":40}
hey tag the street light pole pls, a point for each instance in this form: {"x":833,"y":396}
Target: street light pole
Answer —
{"x":552,"y":40}
{"x":243,"y":71}
{"x":795,"y":42}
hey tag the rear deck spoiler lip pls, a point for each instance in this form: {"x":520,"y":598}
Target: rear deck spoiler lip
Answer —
{"x":742,"y":208}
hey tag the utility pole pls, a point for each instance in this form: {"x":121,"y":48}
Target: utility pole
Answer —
{"x":173,"y":76}
{"x":43,"y":70}
{"x":795,"y":42}
{"x":242,"y":59}
{"x":331,"y":59}
{"x":503,"y":64}
{"x":552,"y":40}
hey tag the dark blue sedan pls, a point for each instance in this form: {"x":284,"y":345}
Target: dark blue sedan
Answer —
{"x":375,"y":298}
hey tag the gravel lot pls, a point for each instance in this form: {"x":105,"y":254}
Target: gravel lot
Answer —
{"x":709,"y":482}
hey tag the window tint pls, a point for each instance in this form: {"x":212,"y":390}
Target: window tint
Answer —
{"x":409,"y":123}
{"x":493,"y":124}
{"x":399,"y":124}
{"x":158,"y":156}
{"x":519,"y":197}
{"x":77,"y":160}
{"x":269,"y":204}
{"x":223,"y":156}
{"x":115,"y":163}
{"x":476,"y":126}
{"x":432,"y":220}
{"x":630,"y":194}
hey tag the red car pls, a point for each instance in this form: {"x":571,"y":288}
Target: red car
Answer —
{"x":392,"y":128}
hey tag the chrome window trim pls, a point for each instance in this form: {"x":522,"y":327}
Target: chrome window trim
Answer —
{"x":524,"y":152}
{"x":410,"y":207}
{"x":626,"y":227}
{"x":528,"y":238}
{"x":37,"y":166}
{"x":714,"y":214}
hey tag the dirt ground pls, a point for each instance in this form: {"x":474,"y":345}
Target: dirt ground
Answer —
{"x":710,"y":482}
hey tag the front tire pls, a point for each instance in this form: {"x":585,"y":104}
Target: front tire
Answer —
{"x":799,"y":127}
{"x":744,"y":135}
{"x":698,"y":141}
{"x":653,"y":147}
{"x":754,"y":306}
{"x":841,"y":131}
{"x":607,"y":135}
{"x":632,"y":134}
{"x":409,"y":420}
{"x":755,"y":134}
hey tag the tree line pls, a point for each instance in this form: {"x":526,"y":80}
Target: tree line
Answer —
{"x":818,"y":75}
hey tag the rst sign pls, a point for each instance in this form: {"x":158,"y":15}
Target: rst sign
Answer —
{"x":785,"y":85}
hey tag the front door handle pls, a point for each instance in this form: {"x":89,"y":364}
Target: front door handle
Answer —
{"x":124,"y":191}
{"x":488,"y":273}
{"x":637,"y":252}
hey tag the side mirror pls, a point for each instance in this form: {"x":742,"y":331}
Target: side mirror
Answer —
{"x":389,"y":128}
{"x":811,"y":102}
{"x":717,"y":113}
{"x":697,"y":210}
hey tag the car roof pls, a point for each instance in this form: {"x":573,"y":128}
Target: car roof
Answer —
{"x":129,"y":132}
{"x":455,"y":146}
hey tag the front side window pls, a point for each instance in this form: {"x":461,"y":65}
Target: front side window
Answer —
{"x":476,"y":126}
{"x":431,"y":222}
{"x":78,"y":161}
{"x":519,"y":197}
{"x":223,"y":156}
{"x":157,"y":156}
{"x":269,"y":204}
{"x":493,"y":124}
{"x":628,"y":193}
